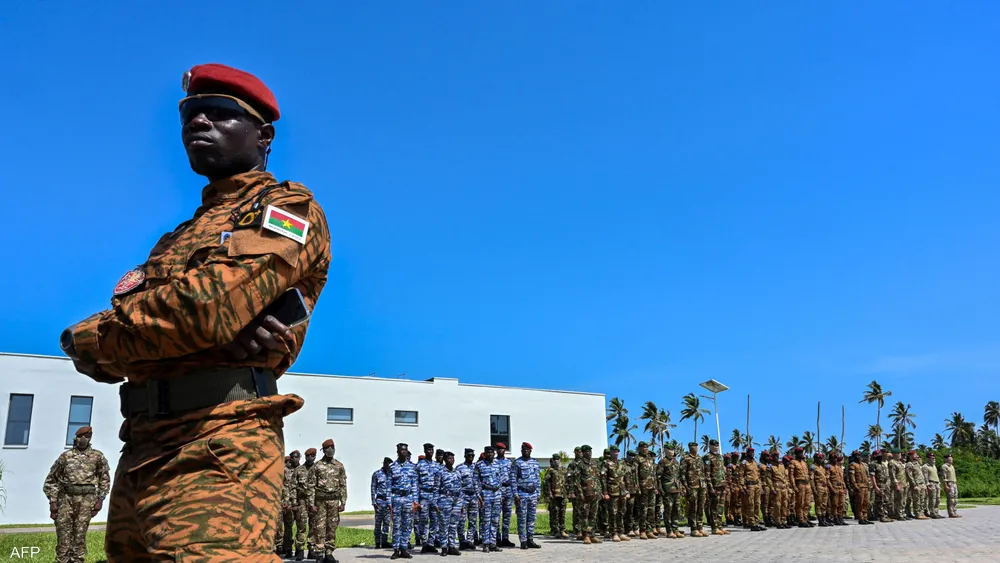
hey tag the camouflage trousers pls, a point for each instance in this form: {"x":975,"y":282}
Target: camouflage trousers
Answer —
{"x":305,"y":522}
{"x":695,"y":507}
{"x":716,"y":505}
{"x":425,"y":526}
{"x":670,"y":506}
{"x":899,"y":502}
{"x":778,"y":504}
{"x":631,"y":521}
{"x":836,"y":503}
{"x":449,"y":511}
{"x":820,"y":496}
{"x":506,"y":511}
{"x":802,"y":494}
{"x":402,"y":521}
{"x":210,"y":499}
{"x":490,"y":518}
{"x":861,"y":504}
{"x":382,"y":518}
{"x":468,"y":523}
{"x":951,"y":494}
{"x":72,"y":521}
{"x":326,"y":522}
{"x":614,"y":523}
{"x":734,"y":504}
{"x":751,"y":505}
{"x":601,"y":522}
{"x":646,"y":511}
{"x":918,"y":499}
{"x":933,"y":499}
{"x":657,"y":511}
{"x":557,"y":515}
{"x":585,"y":515}
{"x":527,"y":509}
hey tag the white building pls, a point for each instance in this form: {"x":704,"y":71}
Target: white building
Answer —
{"x":43,"y":401}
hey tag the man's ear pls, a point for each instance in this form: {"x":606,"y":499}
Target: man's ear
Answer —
{"x":265,"y":135}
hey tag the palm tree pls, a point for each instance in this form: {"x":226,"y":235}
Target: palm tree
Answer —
{"x":794,"y":442}
{"x":692,"y":409}
{"x":866,"y":447}
{"x":902,"y":419}
{"x":937,"y":442}
{"x":736,"y":439}
{"x":774,"y":443}
{"x":991,"y":415}
{"x":903,"y":440}
{"x":959,"y":430}
{"x":704,"y":443}
{"x":622,"y":432}
{"x":875,"y":394}
{"x":651,"y":415}
{"x":874,"y":433}
{"x":748,"y":441}
{"x":833,"y":444}
{"x":665,"y":426}
{"x":616,"y":408}
{"x":808,"y":442}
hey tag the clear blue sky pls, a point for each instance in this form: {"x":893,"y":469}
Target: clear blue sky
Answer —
{"x":791,"y":200}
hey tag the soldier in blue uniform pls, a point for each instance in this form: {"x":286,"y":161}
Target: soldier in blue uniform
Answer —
{"x":403,"y":496}
{"x":527,"y":476}
{"x":380,"y":502}
{"x":508,"y":492}
{"x":435,"y":515}
{"x":427,"y":519}
{"x":448,"y":503}
{"x":470,"y":504}
{"x":487,"y":473}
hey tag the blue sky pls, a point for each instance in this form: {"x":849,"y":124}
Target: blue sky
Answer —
{"x":792,"y":200}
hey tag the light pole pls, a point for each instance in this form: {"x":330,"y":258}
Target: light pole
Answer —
{"x":715,"y":388}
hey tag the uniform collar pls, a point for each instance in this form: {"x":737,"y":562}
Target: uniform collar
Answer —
{"x":237,"y":186}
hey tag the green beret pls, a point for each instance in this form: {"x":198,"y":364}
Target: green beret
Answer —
{"x":556,"y":456}
{"x":586,"y":448}
{"x":577,"y":449}
{"x":713,"y":442}
{"x":614,"y":449}
{"x":695,"y":444}
{"x":630,"y":452}
{"x":607,"y":451}
{"x":641,"y":444}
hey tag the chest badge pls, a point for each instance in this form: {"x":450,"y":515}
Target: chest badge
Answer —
{"x":129,"y":282}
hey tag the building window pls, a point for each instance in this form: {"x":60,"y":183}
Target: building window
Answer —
{"x":406,"y":417}
{"x":339,"y":414}
{"x":499,"y":429}
{"x":80,"y":409}
{"x":18,"y":419}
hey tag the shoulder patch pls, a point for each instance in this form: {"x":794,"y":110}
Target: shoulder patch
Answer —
{"x":286,"y":224}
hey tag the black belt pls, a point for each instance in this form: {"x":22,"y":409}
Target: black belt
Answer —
{"x":526,"y":490}
{"x":491,"y":489}
{"x":323,"y":496}
{"x":748,"y":483}
{"x":801,"y":481}
{"x":196,"y":390}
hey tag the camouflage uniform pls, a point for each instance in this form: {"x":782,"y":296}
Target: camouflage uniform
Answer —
{"x":304,"y":520}
{"x":507,"y":494}
{"x":647,"y":494}
{"x":283,"y":538}
{"x":950,"y":480}
{"x":668,"y":476}
{"x":820,"y":489}
{"x":692,"y":478}
{"x":570,"y":474}
{"x":380,"y":501}
{"x":933,"y":487}
{"x":426,"y":524}
{"x":897,"y":483}
{"x":403,"y":493}
{"x":860,"y":481}
{"x":632,"y":486}
{"x":327,"y":496}
{"x":883,"y":496}
{"x":77,"y":481}
{"x":588,"y":490}
{"x":614,"y":476}
{"x":716,"y":482}
{"x":527,"y":477}
{"x":468,"y":523}
{"x":735,"y":505}
{"x":487,"y":475}
{"x":450,"y":484}
{"x":556,"y":489}
{"x":601,"y":522}
{"x":917,"y":488}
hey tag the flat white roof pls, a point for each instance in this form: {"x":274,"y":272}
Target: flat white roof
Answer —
{"x":362,"y":377}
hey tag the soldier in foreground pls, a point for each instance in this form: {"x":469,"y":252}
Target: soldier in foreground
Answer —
{"x":187,"y":330}
{"x":470,"y":504}
{"x":403,"y":499}
{"x":76,"y":487}
{"x":668,"y":476}
{"x":555,"y":489}
{"x":692,"y":479}
{"x":917,"y":486}
{"x":588,"y":490}
{"x":613,"y":474}
{"x":327,"y":499}
{"x":861,"y":481}
{"x":380,"y":503}
{"x":950,"y":481}
{"x":933,"y":487}
{"x":646,"y":469}
{"x":527,"y":478}
{"x":448,"y":503}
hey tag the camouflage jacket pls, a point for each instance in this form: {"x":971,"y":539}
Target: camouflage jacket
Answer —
{"x":931,"y":474}
{"x":716,"y":471}
{"x":692,"y":472}
{"x":380,"y":487}
{"x":327,"y":481}
{"x":288,"y":486}
{"x":835,"y":476}
{"x":450,"y":484}
{"x":587,"y":482}
{"x":487,"y":476}
{"x":555,"y":482}
{"x":779,"y":477}
{"x":859,"y":476}
{"x":613,"y":474}
{"x":914,"y":474}
{"x":646,"y":472}
{"x":526,"y":475}
{"x":820,"y":480}
{"x":403,"y":480}
{"x":882,"y":474}
{"x":86,"y":468}
{"x":301,"y":484}
{"x":426,"y":473}
{"x":468,"y":471}
{"x":668,"y":475}
{"x":897,"y":473}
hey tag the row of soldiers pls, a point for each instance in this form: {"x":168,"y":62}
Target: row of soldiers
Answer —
{"x":312,"y":498}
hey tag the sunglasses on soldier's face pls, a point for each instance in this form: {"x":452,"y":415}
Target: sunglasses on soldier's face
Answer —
{"x":215,"y":108}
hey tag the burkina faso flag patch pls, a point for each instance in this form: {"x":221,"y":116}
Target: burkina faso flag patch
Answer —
{"x":284,"y":223}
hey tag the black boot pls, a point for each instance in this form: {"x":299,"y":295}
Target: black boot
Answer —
{"x":524,"y":545}
{"x":495,"y":549}
{"x":453,"y":551}
{"x":486,"y":548}
{"x":395,"y":554}
{"x":444,"y":552}
{"x":428,"y":548}
{"x":312,"y":554}
{"x":299,"y":555}
{"x":532,"y":544}
{"x":329,"y":558}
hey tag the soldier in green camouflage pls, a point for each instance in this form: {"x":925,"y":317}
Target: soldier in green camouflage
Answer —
{"x":588,"y":489}
{"x":76,"y":487}
{"x":692,"y":479}
{"x":716,"y":484}
{"x":897,"y":484}
{"x":657,"y":499}
{"x":668,"y":473}
{"x":632,"y":486}
{"x":556,"y":489}
{"x":326,"y":491}
{"x":570,"y":473}
{"x":647,"y":492}
{"x":917,"y":486}
{"x":288,"y":504}
{"x":614,"y":475}
{"x":300,"y":503}
{"x":601,"y":526}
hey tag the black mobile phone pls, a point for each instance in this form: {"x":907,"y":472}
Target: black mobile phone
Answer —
{"x":290,"y":309}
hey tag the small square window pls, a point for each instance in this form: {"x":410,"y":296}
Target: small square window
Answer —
{"x":339,"y":414}
{"x":406,"y":417}
{"x":80,"y":409}
{"x":18,"y":419}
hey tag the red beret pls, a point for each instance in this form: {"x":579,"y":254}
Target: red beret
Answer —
{"x":311,"y":451}
{"x":501,"y":445}
{"x":204,"y":78}
{"x":526,"y":445}
{"x":327,"y":443}
{"x":84,"y":430}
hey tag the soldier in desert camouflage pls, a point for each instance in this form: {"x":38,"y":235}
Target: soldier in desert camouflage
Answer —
{"x":76,"y":487}
{"x":326,"y":494}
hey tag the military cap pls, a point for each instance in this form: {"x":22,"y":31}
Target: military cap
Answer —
{"x":713,"y":442}
{"x":501,"y":446}
{"x":799,"y":449}
{"x":750,"y":451}
{"x":576,"y":449}
{"x":488,"y":449}
{"x":294,"y":453}
{"x":641,"y":444}
{"x":469,"y":451}
{"x":311,"y":451}
{"x":84,"y":430}
{"x":439,"y":451}
{"x":930,"y":453}
{"x":630,"y":453}
{"x":428,"y":445}
{"x":911,"y":452}
{"x":556,"y":456}
{"x":421,"y":456}
{"x":526,"y":445}
{"x":385,"y":459}
{"x":695,"y":444}
{"x":446,"y":454}
{"x":820,"y":455}
{"x":614,"y":448}
{"x":402,"y":445}
{"x":225,"y":81}
{"x":607,"y":451}
{"x":895,"y":450}
{"x":855,"y":452}
{"x":586,"y":448}
{"x":328,"y":443}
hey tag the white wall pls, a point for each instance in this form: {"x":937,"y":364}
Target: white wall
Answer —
{"x":452,"y":416}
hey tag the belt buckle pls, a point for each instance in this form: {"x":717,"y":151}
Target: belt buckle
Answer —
{"x":157,"y":398}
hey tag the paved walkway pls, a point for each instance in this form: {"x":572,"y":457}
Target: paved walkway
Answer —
{"x":973,"y":538}
{"x":365,"y":521}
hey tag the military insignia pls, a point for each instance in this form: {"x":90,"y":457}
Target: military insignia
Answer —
{"x":225,"y":237}
{"x":284,"y":223}
{"x":249,"y":219}
{"x":186,"y":81}
{"x":129,"y":281}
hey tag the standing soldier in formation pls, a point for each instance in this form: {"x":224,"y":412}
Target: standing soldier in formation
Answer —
{"x":668,"y":482}
{"x":883,"y":487}
{"x":507,"y":494}
{"x":860,"y":481}
{"x":601,"y":525}
{"x":570,"y":472}
{"x":765,"y":488}
{"x":647,"y":492}
{"x":527,"y":477}
{"x":716,"y":482}
{"x":835,"y":476}
{"x":800,"y":476}
{"x":821,"y":490}
{"x":76,"y":487}
{"x":616,"y":487}
{"x":752,"y":492}
{"x":657,"y":499}
{"x":779,"y":492}
{"x":632,"y":487}
{"x":327,"y":499}
{"x":950,"y":481}
{"x":555,"y":489}
{"x":380,"y":503}
{"x":280,"y":532}
{"x":933,"y":487}
{"x":468,"y":528}
{"x":692,"y":479}
{"x":917,"y":486}
{"x":487,"y":474}
{"x":897,"y":478}
{"x":426,"y":526}
{"x":449,"y":487}
{"x":304,"y":518}
{"x":734,"y":506}
{"x":588,"y":490}
{"x":404,"y":493}
{"x":288,"y":504}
